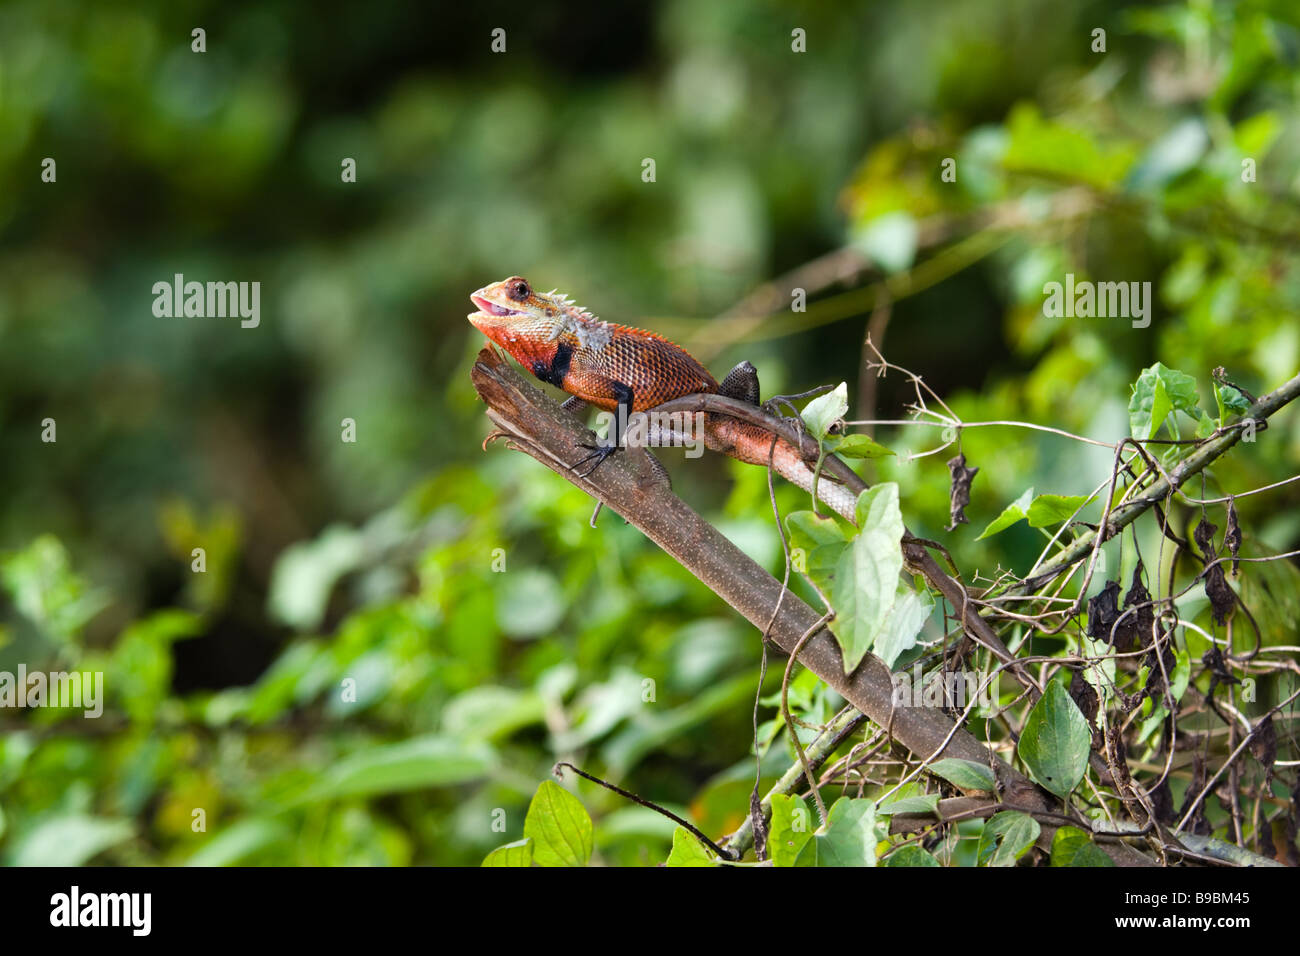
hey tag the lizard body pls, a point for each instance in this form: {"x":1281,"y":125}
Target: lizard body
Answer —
{"x":617,"y":367}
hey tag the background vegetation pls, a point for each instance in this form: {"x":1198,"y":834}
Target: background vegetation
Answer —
{"x":374,"y":560}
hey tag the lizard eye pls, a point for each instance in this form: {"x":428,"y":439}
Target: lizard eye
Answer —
{"x":519,"y":290}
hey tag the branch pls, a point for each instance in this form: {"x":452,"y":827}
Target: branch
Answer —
{"x":823,"y":745}
{"x":914,"y":549}
{"x":1128,"y":512}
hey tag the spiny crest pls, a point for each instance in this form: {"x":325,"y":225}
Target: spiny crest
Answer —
{"x":565,"y":302}
{"x":591,"y":332}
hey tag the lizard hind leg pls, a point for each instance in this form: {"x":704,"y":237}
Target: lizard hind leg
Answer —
{"x":741,"y":383}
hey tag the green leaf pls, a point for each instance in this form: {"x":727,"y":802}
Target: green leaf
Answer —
{"x":1006,"y":838}
{"x":1171,"y":155}
{"x":1072,"y":847}
{"x":519,"y":853}
{"x":241,"y":840}
{"x":1255,"y":135}
{"x":910,"y":855}
{"x":822,"y":539}
{"x":687,"y":851}
{"x":866,"y":576}
{"x":850,"y":835}
{"x":1045,"y":146}
{"x":860,"y":446}
{"x":1153,"y":407}
{"x":416,"y":764}
{"x":47,"y":591}
{"x":1272,"y":588}
{"x":1053,"y":509}
{"x":964,"y":774}
{"x":71,"y":839}
{"x":142,"y":659}
{"x":1181,"y":389}
{"x":1186,"y":277}
{"x":1229,"y":399}
{"x":1205,"y":425}
{"x":1157,"y":392}
{"x":811,"y":531}
{"x":633,"y":822}
{"x":530,"y":603}
{"x":906,"y":618}
{"x":1018,"y":510}
{"x":490,"y":712}
{"x":922,"y":803}
{"x":889,"y":240}
{"x":1055,"y":741}
{"x":1157,"y":717}
{"x":305,"y":574}
{"x":559,"y":826}
{"x":1182,"y":674}
{"x":825,"y":410}
{"x":790,"y":840}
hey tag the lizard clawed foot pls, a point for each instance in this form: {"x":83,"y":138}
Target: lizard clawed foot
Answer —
{"x":598,"y":454}
{"x":777,"y":402}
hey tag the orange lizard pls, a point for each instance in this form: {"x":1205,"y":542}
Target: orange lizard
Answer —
{"x":625,"y":370}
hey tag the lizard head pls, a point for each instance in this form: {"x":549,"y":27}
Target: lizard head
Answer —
{"x":512,"y":307}
{"x":529,"y":324}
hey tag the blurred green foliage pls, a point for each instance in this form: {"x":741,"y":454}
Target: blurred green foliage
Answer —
{"x":394,"y":639}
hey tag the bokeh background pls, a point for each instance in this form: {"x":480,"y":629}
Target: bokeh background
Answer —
{"x":374,"y":560}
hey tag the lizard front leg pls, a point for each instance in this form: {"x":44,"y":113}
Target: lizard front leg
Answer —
{"x":652,"y":470}
{"x":624,"y":397}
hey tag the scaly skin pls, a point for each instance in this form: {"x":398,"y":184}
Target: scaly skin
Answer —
{"x":610,"y":365}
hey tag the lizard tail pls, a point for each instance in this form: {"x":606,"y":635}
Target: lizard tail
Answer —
{"x":752,"y":444}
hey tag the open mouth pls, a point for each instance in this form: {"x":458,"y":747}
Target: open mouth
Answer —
{"x":491,"y":308}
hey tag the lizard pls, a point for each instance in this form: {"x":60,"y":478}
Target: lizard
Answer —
{"x":622,"y":369}
{"x":617,"y":367}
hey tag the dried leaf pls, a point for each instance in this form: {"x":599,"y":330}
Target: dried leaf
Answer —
{"x":1213,"y":659}
{"x":1232,"y":536}
{"x":1197,"y":824}
{"x":1103,"y":609}
{"x":959,"y":497}
{"x":1162,"y":802}
{"x":1141,"y":623}
{"x":1264,"y":744}
{"x":1203,"y":535}
{"x":1084,"y":696}
{"x":1222,"y":597}
{"x":1155,"y":684}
